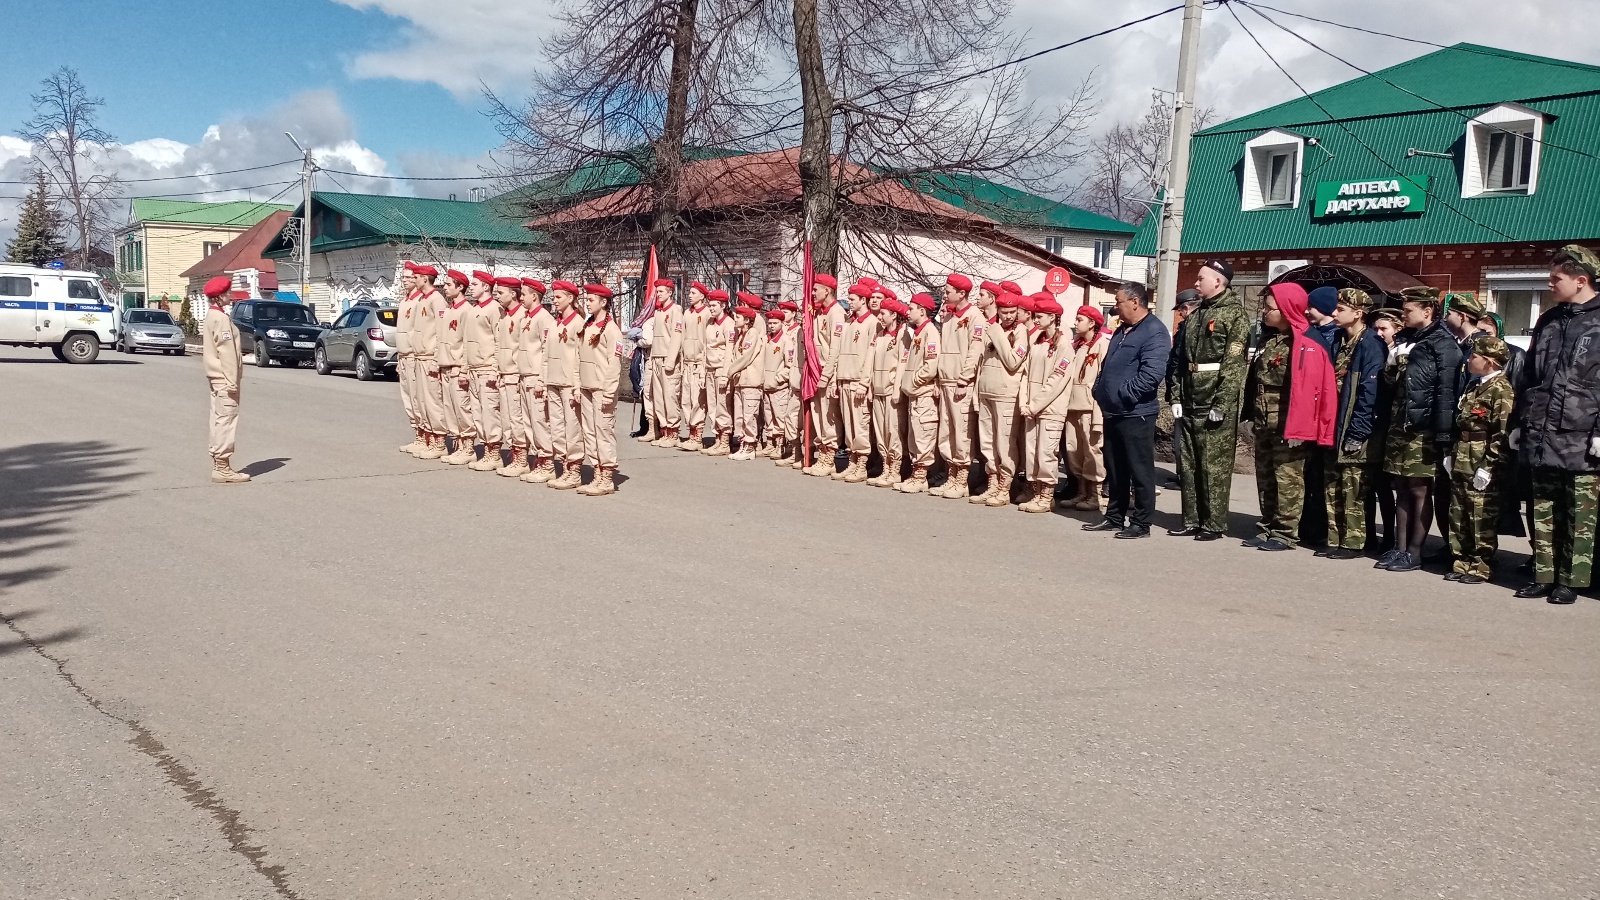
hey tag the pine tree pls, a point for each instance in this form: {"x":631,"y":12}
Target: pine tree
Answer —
{"x":186,"y":319}
{"x":38,"y":240}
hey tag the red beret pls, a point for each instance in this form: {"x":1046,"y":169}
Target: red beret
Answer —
{"x":868,"y":280}
{"x":719,"y":295}
{"x":825,"y":280}
{"x":1023,"y":303}
{"x":665,"y":282}
{"x":991,"y":287}
{"x":534,"y":283}
{"x":508,"y":281}
{"x":409,"y":266}
{"x":697,"y":286}
{"x":481,"y":275}
{"x":888,"y":294}
{"x":424,"y":271}
{"x":1093,"y":314}
{"x":925,"y":301}
{"x":894,"y":306}
{"x":1008,"y":300}
{"x":1010,"y":286}
{"x":860,"y":290}
{"x":749,"y":299}
{"x":218,"y":286}
{"x":599,"y":290}
{"x":567,"y":286}
{"x":789,"y":305}
{"x":1044,"y":303}
{"x":748,"y":313}
{"x":458,"y":276}
{"x":959,"y":281}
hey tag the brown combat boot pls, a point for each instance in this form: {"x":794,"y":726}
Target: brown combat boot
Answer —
{"x":1043,"y":498}
{"x":571,"y":477}
{"x":518,"y":466}
{"x":780,"y":452}
{"x":891,"y":472}
{"x":694,"y":441}
{"x":489,"y":461}
{"x":1000,"y":494}
{"x":432,"y":448}
{"x":955,"y":487}
{"x":669,"y":438}
{"x":994,"y":485}
{"x":857,"y":473}
{"x":222,"y":471}
{"x":651,"y":435}
{"x":463,"y":454}
{"x":416,"y":444}
{"x":719,"y":447}
{"x":917,"y":483}
{"x":823,"y":466}
{"x":542,"y":471}
{"x":601,"y":485}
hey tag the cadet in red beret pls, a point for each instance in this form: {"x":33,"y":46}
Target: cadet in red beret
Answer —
{"x":532,"y":355}
{"x":888,"y":407}
{"x":1043,"y":403}
{"x":853,"y":375}
{"x":599,"y":375}
{"x":1004,"y":351}
{"x":224,"y":368}
{"x":692,"y":371}
{"x":562,"y":401}
{"x":408,"y":288}
{"x":825,"y":280}
{"x":827,"y":326}
{"x":422,"y":309}
{"x":664,"y":367}
{"x":746,"y":373}
{"x":919,"y":384}
{"x":455,"y":385}
{"x":960,"y":345}
{"x":480,"y":324}
{"x":719,"y":406}
{"x":789,"y":413}
{"x":1084,"y":427}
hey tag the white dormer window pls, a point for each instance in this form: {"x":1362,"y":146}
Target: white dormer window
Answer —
{"x":1272,"y":165}
{"x":1502,"y":152}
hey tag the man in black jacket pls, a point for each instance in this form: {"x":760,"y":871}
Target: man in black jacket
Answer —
{"x":1358,"y":360}
{"x":1130,"y":377}
{"x":1559,"y":412}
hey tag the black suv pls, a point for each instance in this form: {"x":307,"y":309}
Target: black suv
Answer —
{"x":272,"y":329}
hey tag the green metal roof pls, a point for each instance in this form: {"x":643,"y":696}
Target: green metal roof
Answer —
{"x":381,"y":219}
{"x":1468,"y":79}
{"x":240,"y":213}
{"x":1010,"y":206}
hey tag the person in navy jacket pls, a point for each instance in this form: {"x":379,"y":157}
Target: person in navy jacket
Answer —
{"x":1135,"y":364}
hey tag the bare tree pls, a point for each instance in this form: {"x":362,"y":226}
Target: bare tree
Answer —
{"x":64,"y":134}
{"x":1128,"y":163}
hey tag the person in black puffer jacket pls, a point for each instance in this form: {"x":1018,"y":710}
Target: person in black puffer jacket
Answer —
{"x":1422,"y":428}
{"x":1559,"y":413}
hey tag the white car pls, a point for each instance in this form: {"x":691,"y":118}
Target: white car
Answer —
{"x":56,"y":308}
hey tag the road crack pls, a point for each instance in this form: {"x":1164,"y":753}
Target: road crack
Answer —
{"x":228,"y":819}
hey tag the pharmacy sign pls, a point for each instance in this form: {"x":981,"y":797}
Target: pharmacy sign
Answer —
{"x":1401,"y":195}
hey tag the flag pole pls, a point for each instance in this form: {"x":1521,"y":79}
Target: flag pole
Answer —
{"x":807,"y":391}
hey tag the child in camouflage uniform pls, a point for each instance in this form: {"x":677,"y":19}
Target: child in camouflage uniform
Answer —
{"x":1479,"y":461}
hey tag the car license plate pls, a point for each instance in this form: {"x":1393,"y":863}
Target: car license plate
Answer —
{"x":304,"y":345}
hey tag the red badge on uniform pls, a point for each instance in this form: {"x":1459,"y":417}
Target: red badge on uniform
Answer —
{"x":933,"y":349}
{"x":619,"y":349}
{"x":838,"y":330}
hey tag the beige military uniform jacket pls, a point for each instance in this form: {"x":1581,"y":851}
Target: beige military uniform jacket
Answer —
{"x":452,"y":334}
{"x":405,"y":325}
{"x":791,"y":353}
{"x":920,"y":361}
{"x":1001,"y":361}
{"x":1086,"y":363}
{"x":745,"y":367}
{"x":537,"y":327}
{"x":666,"y":341}
{"x":694,"y":334}
{"x":774,"y":361}
{"x":219,"y":347}
{"x":505,"y":340}
{"x":1044,"y":392}
{"x":827,"y":331}
{"x":425,"y":327}
{"x":888,"y":362}
{"x":961,"y":336}
{"x":855,"y":353}
{"x":561,"y":350}
{"x":600,"y":357}
{"x":719,"y":333}
{"x":478,"y":323}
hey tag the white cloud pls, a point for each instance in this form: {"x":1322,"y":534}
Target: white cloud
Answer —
{"x":475,"y":41}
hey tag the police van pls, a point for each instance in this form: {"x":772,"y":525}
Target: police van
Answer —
{"x":56,"y":308}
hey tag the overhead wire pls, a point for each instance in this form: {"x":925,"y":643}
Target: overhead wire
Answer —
{"x":184,"y":177}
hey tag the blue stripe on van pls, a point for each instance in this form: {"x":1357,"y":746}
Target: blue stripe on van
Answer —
{"x":84,"y":307}
{"x":23,"y":304}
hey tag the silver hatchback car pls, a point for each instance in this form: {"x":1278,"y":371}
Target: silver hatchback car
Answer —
{"x":362,"y":339}
{"x":150,"y":329}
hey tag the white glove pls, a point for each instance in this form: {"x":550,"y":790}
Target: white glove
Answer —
{"x":1594,"y":446}
{"x":1514,"y":438}
{"x":1177,"y":410}
{"x":1296,"y":443}
{"x":1449,"y":463}
{"x":1480,"y":480}
{"x":1214,"y":416}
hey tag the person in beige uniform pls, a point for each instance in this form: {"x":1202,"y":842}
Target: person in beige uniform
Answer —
{"x":888,"y":407}
{"x":1044,"y":402}
{"x":1000,"y":373}
{"x":791,"y":352}
{"x":854,"y":377}
{"x":427,"y":389}
{"x":599,"y":373}
{"x":775,"y":388}
{"x":960,"y":334}
{"x":460,"y":414}
{"x":224,"y":365}
{"x":693,"y":368}
{"x":478,"y":322}
{"x":919,"y":383}
{"x":827,"y":330}
{"x":537,"y":324}
{"x":666,"y":364}
{"x":405,"y":361}
{"x":1084,"y":425}
{"x":747,"y":375}
{"x":513,"y":417}
{"x":561,"y":385}
{"x":719,"y":339}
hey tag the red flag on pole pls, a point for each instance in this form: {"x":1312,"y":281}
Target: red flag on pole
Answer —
{"x":811,"y":375}
{"x":647,"y":292}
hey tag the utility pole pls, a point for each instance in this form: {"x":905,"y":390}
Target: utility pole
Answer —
{"x":1178,"y":171}
{"x":306,"y":172}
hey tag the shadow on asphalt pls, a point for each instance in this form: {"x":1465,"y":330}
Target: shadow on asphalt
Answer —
{"x":263,"y":466}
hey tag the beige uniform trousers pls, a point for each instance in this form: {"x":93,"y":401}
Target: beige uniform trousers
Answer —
{"x":1085,"y":457}
{"x":536,"y":417}
{"x":997,"y":437}
{"x":792,"y":404}
{"x":775,"y":407}
{"x":224,"y":417}
{"x":747,"y":413}
{"x":566,"y":428}
{"x":666,"y":397}
{"x":461,"y":411}
{"x":887,"y":413}
{"x":1043,"y":443}
{"x":647,"y":375}
{"x":599,"y":428}
{"x":513,"y":415}
{"x":693,"y":404}
{"x":955,"y":424}
{"x":922,"y":429}
{"x":430,"y":391}
{"x":855,"y":403}
{"x":825,"y":414}
{"x":405,"y":369}
{"x":486,"y":401}
{"x":719,"y":402}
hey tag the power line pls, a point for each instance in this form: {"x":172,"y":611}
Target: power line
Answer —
{"x":411,"y":177}
{"x":184,"y":177}
{"x":214,"y":190}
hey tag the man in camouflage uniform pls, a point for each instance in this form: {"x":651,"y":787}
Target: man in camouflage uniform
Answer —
{"x":1359,"y":356}
{"x":1210,"y":382}
{"x":1559,"y":435}
{"x":1479,"y":461}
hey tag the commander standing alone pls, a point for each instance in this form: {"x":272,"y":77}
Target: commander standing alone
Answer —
{"x":224,"y":368}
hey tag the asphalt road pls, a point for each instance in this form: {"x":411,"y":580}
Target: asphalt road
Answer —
{"x":364,"y":676}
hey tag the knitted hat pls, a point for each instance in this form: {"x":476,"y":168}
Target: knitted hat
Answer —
{"x":1324,"y":299}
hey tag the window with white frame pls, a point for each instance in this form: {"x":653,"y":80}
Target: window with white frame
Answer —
{"x":1272,"y":167}
{"x":1102,"y":254}
{"x":1053,"y":244}
{"x":1501,"y":153}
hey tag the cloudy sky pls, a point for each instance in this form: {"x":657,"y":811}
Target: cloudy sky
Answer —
{"x":394,"y":87}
